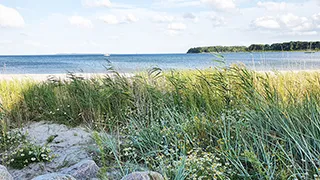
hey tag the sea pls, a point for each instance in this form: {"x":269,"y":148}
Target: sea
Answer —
{"x":131,"y":63}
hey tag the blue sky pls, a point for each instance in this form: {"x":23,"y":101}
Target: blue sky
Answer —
{"x":146,"y":26}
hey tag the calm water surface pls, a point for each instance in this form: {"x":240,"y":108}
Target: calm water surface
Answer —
{"x":56,"y":64}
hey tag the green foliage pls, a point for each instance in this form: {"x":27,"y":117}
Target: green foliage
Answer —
{"x":217,"y":49}
{"x":16,"y":151}
{"x":286,"y":46}
{"x":248,"y":125}
{"x":27,"y":154}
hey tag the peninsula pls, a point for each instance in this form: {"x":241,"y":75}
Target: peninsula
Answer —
{"x":286,"y":46}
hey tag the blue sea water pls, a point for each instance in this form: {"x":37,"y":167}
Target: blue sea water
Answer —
{"x":57,"y":64}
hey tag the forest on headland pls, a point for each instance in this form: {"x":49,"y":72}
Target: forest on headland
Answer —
{"x":286,"y":46}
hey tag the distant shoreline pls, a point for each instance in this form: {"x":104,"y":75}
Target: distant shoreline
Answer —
{"x":293,"y":46}
{"x":316,"y":51}
{"x":44,"y":77}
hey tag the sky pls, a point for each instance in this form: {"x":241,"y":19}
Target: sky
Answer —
{"x":151,"y":26}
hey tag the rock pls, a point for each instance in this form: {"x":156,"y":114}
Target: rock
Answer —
{"x":69,"y":146}
{"x":83,"y":170}
{"x":149,"y":175}
{"x":29,"y":172}
{"x":54,"y":176}
{"x":4,"y":174}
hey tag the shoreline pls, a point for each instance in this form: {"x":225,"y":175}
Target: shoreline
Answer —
{"x":44,"y":77}
{"x":315,"y":51}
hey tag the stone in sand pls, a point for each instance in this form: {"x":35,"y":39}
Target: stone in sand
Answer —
{"x":69,"y":145}
{"x":4,"y":174}
{"x":149,"y":175}
{"x":54,"y":176}
{"x":83,"y":170}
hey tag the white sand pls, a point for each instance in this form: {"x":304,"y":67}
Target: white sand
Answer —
{"x":291,"y":71}
{"x":43,"y":77}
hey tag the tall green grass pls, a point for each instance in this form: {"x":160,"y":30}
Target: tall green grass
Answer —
{"x":228,"y":123}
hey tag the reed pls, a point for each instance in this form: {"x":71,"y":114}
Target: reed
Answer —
{"x":227,"y":123}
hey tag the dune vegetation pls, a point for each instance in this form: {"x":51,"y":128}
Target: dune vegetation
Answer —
{"x":226,"y":123}
{"x":285,"y":46}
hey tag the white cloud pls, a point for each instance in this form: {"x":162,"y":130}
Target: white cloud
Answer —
{"x":217,"y":20}
{"x":114,"y":37}
{"x":307,"y":33}
{"x":163,"y":18}
{"x":131,"y":18}
{"x":80,"y":22}
{"x":90,"y":43}
{"x":272,"y":6}
{"x":32,"y":43}
{"x":177,"y":26}
{"x":267,"y":22}
{"x":289,"y":24}
{"x":176,"y":3}
{"x":291,"y":20}
{"x":10,"y":17}
{"x":6,"y":41}
{"x":97,"y":3}
{"x":306,"y":26}
{"x":316,"y":19}
{"x":110,"y":19}
{"x":189,"y":16}
{"x":223,"y":5}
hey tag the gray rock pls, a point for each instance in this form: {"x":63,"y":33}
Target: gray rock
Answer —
{"x":29,"y":172}
{"x":69,"y":145}
{"x":83,"y":170}
{"x":54,"y":176}
{"x":4,"y":174}
{"x":148,"y":175}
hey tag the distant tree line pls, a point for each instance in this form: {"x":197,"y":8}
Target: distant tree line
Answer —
{"x":286,"y":46}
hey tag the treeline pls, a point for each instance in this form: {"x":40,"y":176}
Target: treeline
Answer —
{"x":286,"y":46}
{"x":217,"y":49}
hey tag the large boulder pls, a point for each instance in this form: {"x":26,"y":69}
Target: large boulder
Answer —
{"x":83,"y":170}
{"x":148,"y":175}
{"x":54,"y":176}
{"x":4,"y":174}
{"x":69,"y":146}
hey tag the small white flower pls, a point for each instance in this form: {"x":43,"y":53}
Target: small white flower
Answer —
{"x":33,"y":159}
{"x":22,"y":155}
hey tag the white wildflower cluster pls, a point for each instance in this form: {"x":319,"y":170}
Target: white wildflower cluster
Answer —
{"x":18,"y":152}
{"x":129,"y":152}
{"x":206,"y":165}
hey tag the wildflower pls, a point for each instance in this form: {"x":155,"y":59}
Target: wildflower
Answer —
{"x":33,"y":159}
{"x":22,"y":155}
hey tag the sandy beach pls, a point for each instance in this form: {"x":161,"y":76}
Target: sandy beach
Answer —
{"x":43,"y":77}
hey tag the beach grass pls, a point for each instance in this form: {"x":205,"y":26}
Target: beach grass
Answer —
{"x":226,"y":123}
